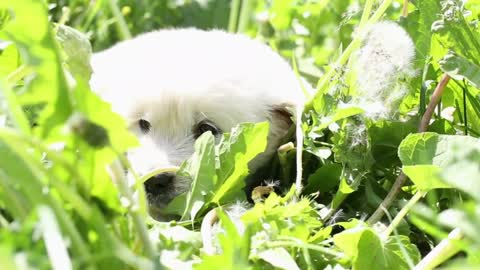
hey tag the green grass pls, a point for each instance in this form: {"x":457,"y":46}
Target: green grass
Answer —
{"x":377,"y":191}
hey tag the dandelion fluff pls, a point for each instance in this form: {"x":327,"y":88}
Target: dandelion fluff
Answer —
{"x":383,"y":63}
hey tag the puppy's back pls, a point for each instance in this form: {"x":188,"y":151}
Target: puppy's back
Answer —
{"x":196,"y":63}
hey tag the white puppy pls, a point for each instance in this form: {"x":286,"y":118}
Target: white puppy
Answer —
{"x":173,"y":85}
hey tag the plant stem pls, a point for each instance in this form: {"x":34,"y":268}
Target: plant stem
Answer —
{"x":442,"y":252}
{"x":120,"y":20}
{"x":398,"y":218}
{"x":405,"y":8}
{"x":437,"y":94}
{"x":18,"y":74}
{"x":366,"y":13}
{"x":206,"y":231}
{"x":121,"y":181}
{"x":299,"y":151}
{"x":233,"y":17}
{"x":244,"y":16}
{"x":142,"y":200}
{"x":275,"y":244}
{"x":465,"y":120}
{"x":397,"y":186}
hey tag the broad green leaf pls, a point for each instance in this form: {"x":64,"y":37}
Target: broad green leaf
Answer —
{"x":200,"y":168}
{"x":401,"y":245}
{"x":419,"y":24}
{"x":96,"y":159}
{"x":454,"y":33}
{"x":418,"y":149}
{"x":236,"y":150}
{"x":462,"y":170}
{"x":425,"y":177}
{"x":324,"y":179}
{"x":366,"y":250}
{"x":459,"y":68}
{"x":440,"y":161}
{"x":77,"y":51}
{"x":385,"y":137}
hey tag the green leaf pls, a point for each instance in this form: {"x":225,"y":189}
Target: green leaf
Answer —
{"x":418,"y":149}
{"x":454,"y":32}
{"x":425,"y":177}
{"x":440,"y":161}
{"x":97,"y":159}
{"x":385,"y":137}
{"x":34,"y":39}
{"x":324,"y":179}
{"x":77,"y":51}
{"x":367,"y":251}
{"x":236,"y":150}
{"x":459,"y":68}
{"x":201,"y":169}
{"x":428,"y":11}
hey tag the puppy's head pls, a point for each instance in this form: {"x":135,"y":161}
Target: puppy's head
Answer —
{"x":174,"y":85}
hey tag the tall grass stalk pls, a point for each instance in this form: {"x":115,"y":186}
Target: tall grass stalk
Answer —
{"x":119,"y":20}
{"x":233,"y":17}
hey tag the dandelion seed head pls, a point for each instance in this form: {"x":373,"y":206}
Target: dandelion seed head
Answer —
{"x":384,"y":60}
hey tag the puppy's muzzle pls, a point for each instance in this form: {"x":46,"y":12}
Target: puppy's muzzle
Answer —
{"x":159,"y":183}
{"x":161,"y":189}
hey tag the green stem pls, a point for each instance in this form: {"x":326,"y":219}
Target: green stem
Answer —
{"x":18,"y":74}
{"x":120,"y":20}
{"x":380,"y":11}
{"x":405,"y":8}
{"x":423,"y":88}
{"x":142,"y":201}
{"x":244,"y":16}
{"x":442,"y":252}
{"x":366,"y":12}
{"x":139,"y":223}
{"x":397,"y":185}
{"x":465,"y":120}
{"x":289,"y":244}
{"x":16,"y":203}
{"x":405,"y":210}
{"x":233,"y":17}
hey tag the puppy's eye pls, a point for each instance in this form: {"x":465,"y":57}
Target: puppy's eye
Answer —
{"x":205,"y":126}
{"x":144,"y":125}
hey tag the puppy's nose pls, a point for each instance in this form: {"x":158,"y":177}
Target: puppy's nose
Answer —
{"x":159,"y":183}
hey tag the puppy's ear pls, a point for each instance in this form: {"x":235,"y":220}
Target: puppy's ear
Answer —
{"x":281,"y":116}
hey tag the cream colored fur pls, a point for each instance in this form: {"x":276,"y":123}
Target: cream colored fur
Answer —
{"x":176,"y":78}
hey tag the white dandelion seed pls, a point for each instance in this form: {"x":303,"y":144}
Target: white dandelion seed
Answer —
{"x":384,"y":61}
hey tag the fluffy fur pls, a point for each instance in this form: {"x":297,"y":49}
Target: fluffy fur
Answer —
{"x":174,"y":79}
